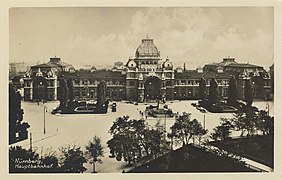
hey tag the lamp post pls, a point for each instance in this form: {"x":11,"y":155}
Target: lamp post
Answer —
{"x":204,"y":122}
{"x":44,"y":128}
{"x":165,"y":127}
{"x":267,"y":106}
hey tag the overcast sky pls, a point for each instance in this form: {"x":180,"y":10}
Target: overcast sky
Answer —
{"x":101,"y":36}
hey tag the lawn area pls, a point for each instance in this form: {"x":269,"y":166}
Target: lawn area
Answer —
{"x":191,"y":159}
{"x":256,"y":148}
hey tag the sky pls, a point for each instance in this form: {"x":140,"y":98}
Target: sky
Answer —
{"x":101,"y":36}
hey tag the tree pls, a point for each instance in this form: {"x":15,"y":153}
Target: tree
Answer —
{"x":101,"y":96}
{"x":50,"y":159}
{"x":246,"y":119}
{"x":26,"y":160}
{"x":202,"y":89}
{"x":156,"y":142}
{"x":197,"y":130}
{"x":126,"y":141}
{"x":16,"y":154}
{"x":16,"y":126}
{"x":248,"y":92}
{"x":95,"y":150}
{"x":232,"y":93}
{"x":63,"y":93}
{"x":70,"y":89}
{"x":133,"y":140}
{"x":213,"y":92}
{"x":73,"y":159}
{"x":223,"y":130}
{"x":265,"y":123}
{"x":259,"y":81}
{"x":184,"y":129}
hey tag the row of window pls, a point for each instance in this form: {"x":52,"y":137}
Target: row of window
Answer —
{"x":49,"y":83}
{"x":149,"y":62}
{"x":188,"y":92}
{"x":96,"y":82}
{"x":92,"y":93}
{"x":223,"y":82}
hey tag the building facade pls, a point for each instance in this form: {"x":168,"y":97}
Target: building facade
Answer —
{"x":260,"y":79}
{"x":145,"y":77}
{"x":41,"y":81}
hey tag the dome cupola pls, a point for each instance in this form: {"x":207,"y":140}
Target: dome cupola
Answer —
{"x":147,"y":49}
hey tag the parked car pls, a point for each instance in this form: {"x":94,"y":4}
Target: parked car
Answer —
{"x":85,"y":109}
{"x":56,"y":110}
{"x":194,"y":104}
{"x":114,"y":107}
{"x":203,"y":110}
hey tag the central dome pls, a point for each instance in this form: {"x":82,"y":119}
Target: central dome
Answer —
{"x":147,"y":49}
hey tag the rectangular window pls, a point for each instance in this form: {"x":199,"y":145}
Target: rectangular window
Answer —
{"x":131,"y":83}
{"x":169,"y":83}
{"x":85,"y":82}
{"x":76,"y":81}
{"x":114,"y":93}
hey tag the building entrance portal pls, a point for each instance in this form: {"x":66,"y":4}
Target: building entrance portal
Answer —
{"x":40,"y":89}
{"x":152,"y":88}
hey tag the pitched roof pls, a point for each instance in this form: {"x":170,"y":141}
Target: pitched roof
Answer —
{"x":43,"y":65}
{"x":191,"y":159}
{"x":99,"y":74}
{"x":193,"y":74}
{"x":243,"y":65}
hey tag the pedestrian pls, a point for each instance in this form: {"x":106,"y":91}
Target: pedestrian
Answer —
{"x":146,"y":117}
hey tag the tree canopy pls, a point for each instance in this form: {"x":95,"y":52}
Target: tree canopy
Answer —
{"x":95,"y":150}
{"x":63,"y":92}
{"x":184,"y":129}
{"x":223,"y":130}
{"x":134,"y":141}
{"x":213,"y":92}
{"x":232,"y":93}
{"x":202,"y":89}
{"x":73,"y":159}
{"x":248,"y":92}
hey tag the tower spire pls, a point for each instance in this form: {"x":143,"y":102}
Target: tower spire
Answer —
{"x":147,"y":36}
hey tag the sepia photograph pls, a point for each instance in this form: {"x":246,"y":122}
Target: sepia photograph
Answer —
{"x":141,"y":90}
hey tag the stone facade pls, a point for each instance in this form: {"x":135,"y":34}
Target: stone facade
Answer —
{"x":145,"y":77}
{"x":41,"y":81}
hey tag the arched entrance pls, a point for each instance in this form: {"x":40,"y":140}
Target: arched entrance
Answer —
{"x":152,"y":88}
{"x":40,"y":89}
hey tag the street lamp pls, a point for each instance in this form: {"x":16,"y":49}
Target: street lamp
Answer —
{"x":204,"y":122}
{"x":165,"y":127}
{"x":267,"y":107}
{"x":44,"y":110}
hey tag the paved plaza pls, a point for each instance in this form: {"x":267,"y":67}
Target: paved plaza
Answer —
{"x":80,"y":128}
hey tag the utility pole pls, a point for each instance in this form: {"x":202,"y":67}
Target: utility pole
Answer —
{"x":267,"y":106}
{"x":30,"y":141}
{"x":165,"y":127}
{"x":44,"y":130}
{"x":204,"y":122}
